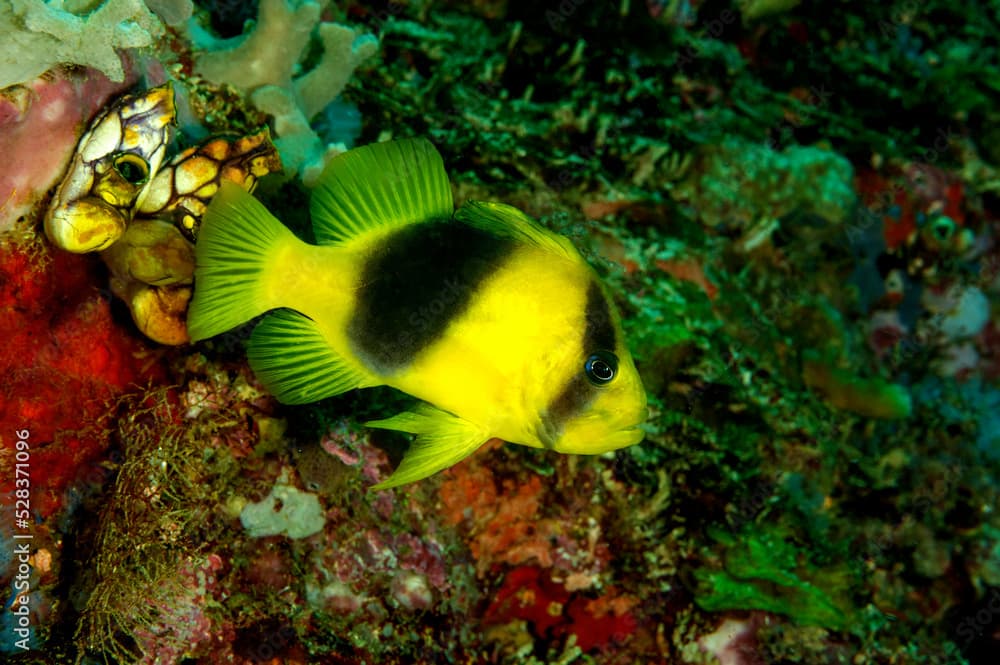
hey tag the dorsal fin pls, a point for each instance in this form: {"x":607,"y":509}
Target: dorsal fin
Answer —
{"x":507,"y":221}
{"x":378,"y":187}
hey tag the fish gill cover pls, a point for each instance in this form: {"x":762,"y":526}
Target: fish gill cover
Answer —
{"x":793,"y":204}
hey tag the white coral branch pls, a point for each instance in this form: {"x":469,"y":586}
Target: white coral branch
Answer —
{"x":39,"y":35}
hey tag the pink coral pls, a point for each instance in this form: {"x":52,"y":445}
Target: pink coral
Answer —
{"x":40,"y":124}
{"x":515,"y":524}
{"x":529,"y":593}
{"x":184,"y":627}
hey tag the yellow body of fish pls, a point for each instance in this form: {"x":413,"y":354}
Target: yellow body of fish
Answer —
{"x":497,"y":324}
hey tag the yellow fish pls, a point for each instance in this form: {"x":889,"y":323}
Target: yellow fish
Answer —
{"x":496,"y":323}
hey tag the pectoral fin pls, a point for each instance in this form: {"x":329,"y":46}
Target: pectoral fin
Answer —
{"x":442,"y":441}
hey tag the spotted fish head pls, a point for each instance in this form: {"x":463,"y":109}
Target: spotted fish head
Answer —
{"x":184,"y":186}
{"x":111,"y":171}
{"x":601,"y":402}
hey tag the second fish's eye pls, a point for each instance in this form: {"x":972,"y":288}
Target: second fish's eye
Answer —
{"x":601,"y":367}
{"x":133,"y":168}
{"x":943,"y":227}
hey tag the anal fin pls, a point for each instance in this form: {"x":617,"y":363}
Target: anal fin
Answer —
{"x":442,"y":441}
{"x":290,"y":356}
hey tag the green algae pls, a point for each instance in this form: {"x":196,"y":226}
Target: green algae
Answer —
{"x":843,"y":389}
{"x":763,"y":570}
{"x":753,"y":186}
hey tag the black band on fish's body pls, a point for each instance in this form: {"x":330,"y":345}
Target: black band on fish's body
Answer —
{"x":598,"y":335}
{"x":416,"y":281}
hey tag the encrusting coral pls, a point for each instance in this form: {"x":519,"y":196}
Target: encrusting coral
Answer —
{"x":65,"y":358}
{"x":264,"y":64}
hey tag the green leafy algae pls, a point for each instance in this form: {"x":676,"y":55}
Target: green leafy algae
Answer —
{"x":762,"y":570}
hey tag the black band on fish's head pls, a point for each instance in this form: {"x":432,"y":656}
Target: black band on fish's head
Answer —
{"x":599,"y":331}
{"x":598,"y":367}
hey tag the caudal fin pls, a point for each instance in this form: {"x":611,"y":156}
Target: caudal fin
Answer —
{"x":234,"y":262}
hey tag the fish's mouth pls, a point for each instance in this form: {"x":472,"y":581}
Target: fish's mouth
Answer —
{"x":615,"y":440}
{"x":621,"y":438}
{"x":553,"y":437}
{"x":633,"y":435}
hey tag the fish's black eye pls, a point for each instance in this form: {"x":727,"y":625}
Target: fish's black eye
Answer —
{"x":894,"y":282}
{"x":601,"y":367}
{"x":133,"y":168}
{"x":943,"y":227}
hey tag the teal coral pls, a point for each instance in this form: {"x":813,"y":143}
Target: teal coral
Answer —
{"x":266,"y":65}
{"x":753,"y":186}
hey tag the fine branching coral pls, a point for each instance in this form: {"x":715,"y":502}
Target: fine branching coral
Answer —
{"x":150,"y":566}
